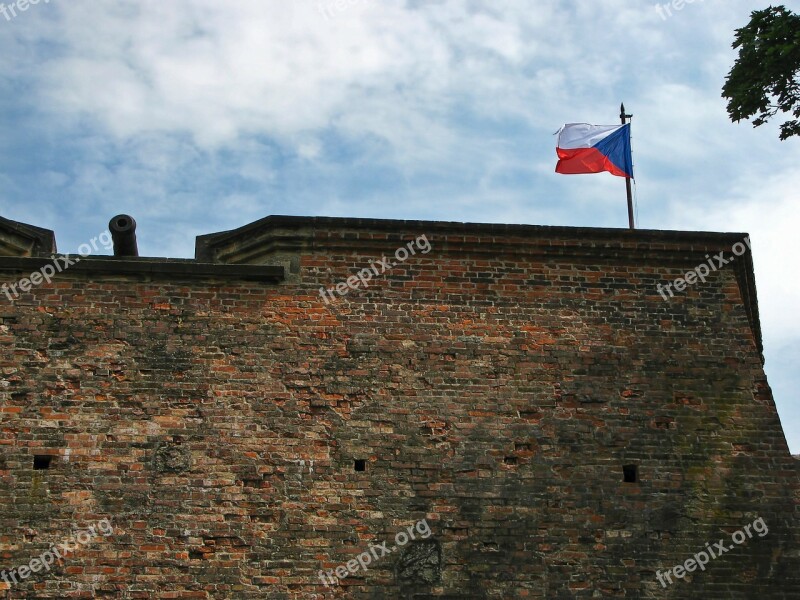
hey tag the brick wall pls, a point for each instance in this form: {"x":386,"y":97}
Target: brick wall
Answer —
{"x":243,"y":436}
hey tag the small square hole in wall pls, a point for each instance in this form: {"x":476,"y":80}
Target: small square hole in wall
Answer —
{"x":41,"y":462}
{"x":359,"y":465}
{"x":630,"y":473}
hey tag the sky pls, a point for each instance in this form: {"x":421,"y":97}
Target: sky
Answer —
{"x":198,"y":116}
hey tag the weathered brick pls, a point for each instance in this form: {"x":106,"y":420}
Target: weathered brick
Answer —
{"x":494,"y":387}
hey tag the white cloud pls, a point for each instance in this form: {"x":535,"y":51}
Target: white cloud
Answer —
{"x":218,"y":71}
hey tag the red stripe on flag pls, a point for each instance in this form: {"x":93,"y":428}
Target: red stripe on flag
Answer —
{"x":585,"y":160}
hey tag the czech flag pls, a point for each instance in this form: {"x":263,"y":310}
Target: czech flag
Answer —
{"x":584,"y":148}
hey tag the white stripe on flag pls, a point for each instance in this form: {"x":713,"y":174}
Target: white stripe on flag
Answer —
{"x":583,"y":135}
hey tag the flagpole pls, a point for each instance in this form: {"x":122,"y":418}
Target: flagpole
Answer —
{"x":624,"y":118}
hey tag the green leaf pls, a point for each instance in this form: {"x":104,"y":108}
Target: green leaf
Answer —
{"x":765,"y":78}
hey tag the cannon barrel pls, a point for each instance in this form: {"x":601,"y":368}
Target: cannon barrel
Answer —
{"x":123,"y":233}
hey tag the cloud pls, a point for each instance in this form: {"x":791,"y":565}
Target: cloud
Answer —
{"x":220,"y":71}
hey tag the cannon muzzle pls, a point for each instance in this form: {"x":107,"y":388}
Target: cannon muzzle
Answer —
{"x":123,"y":232}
